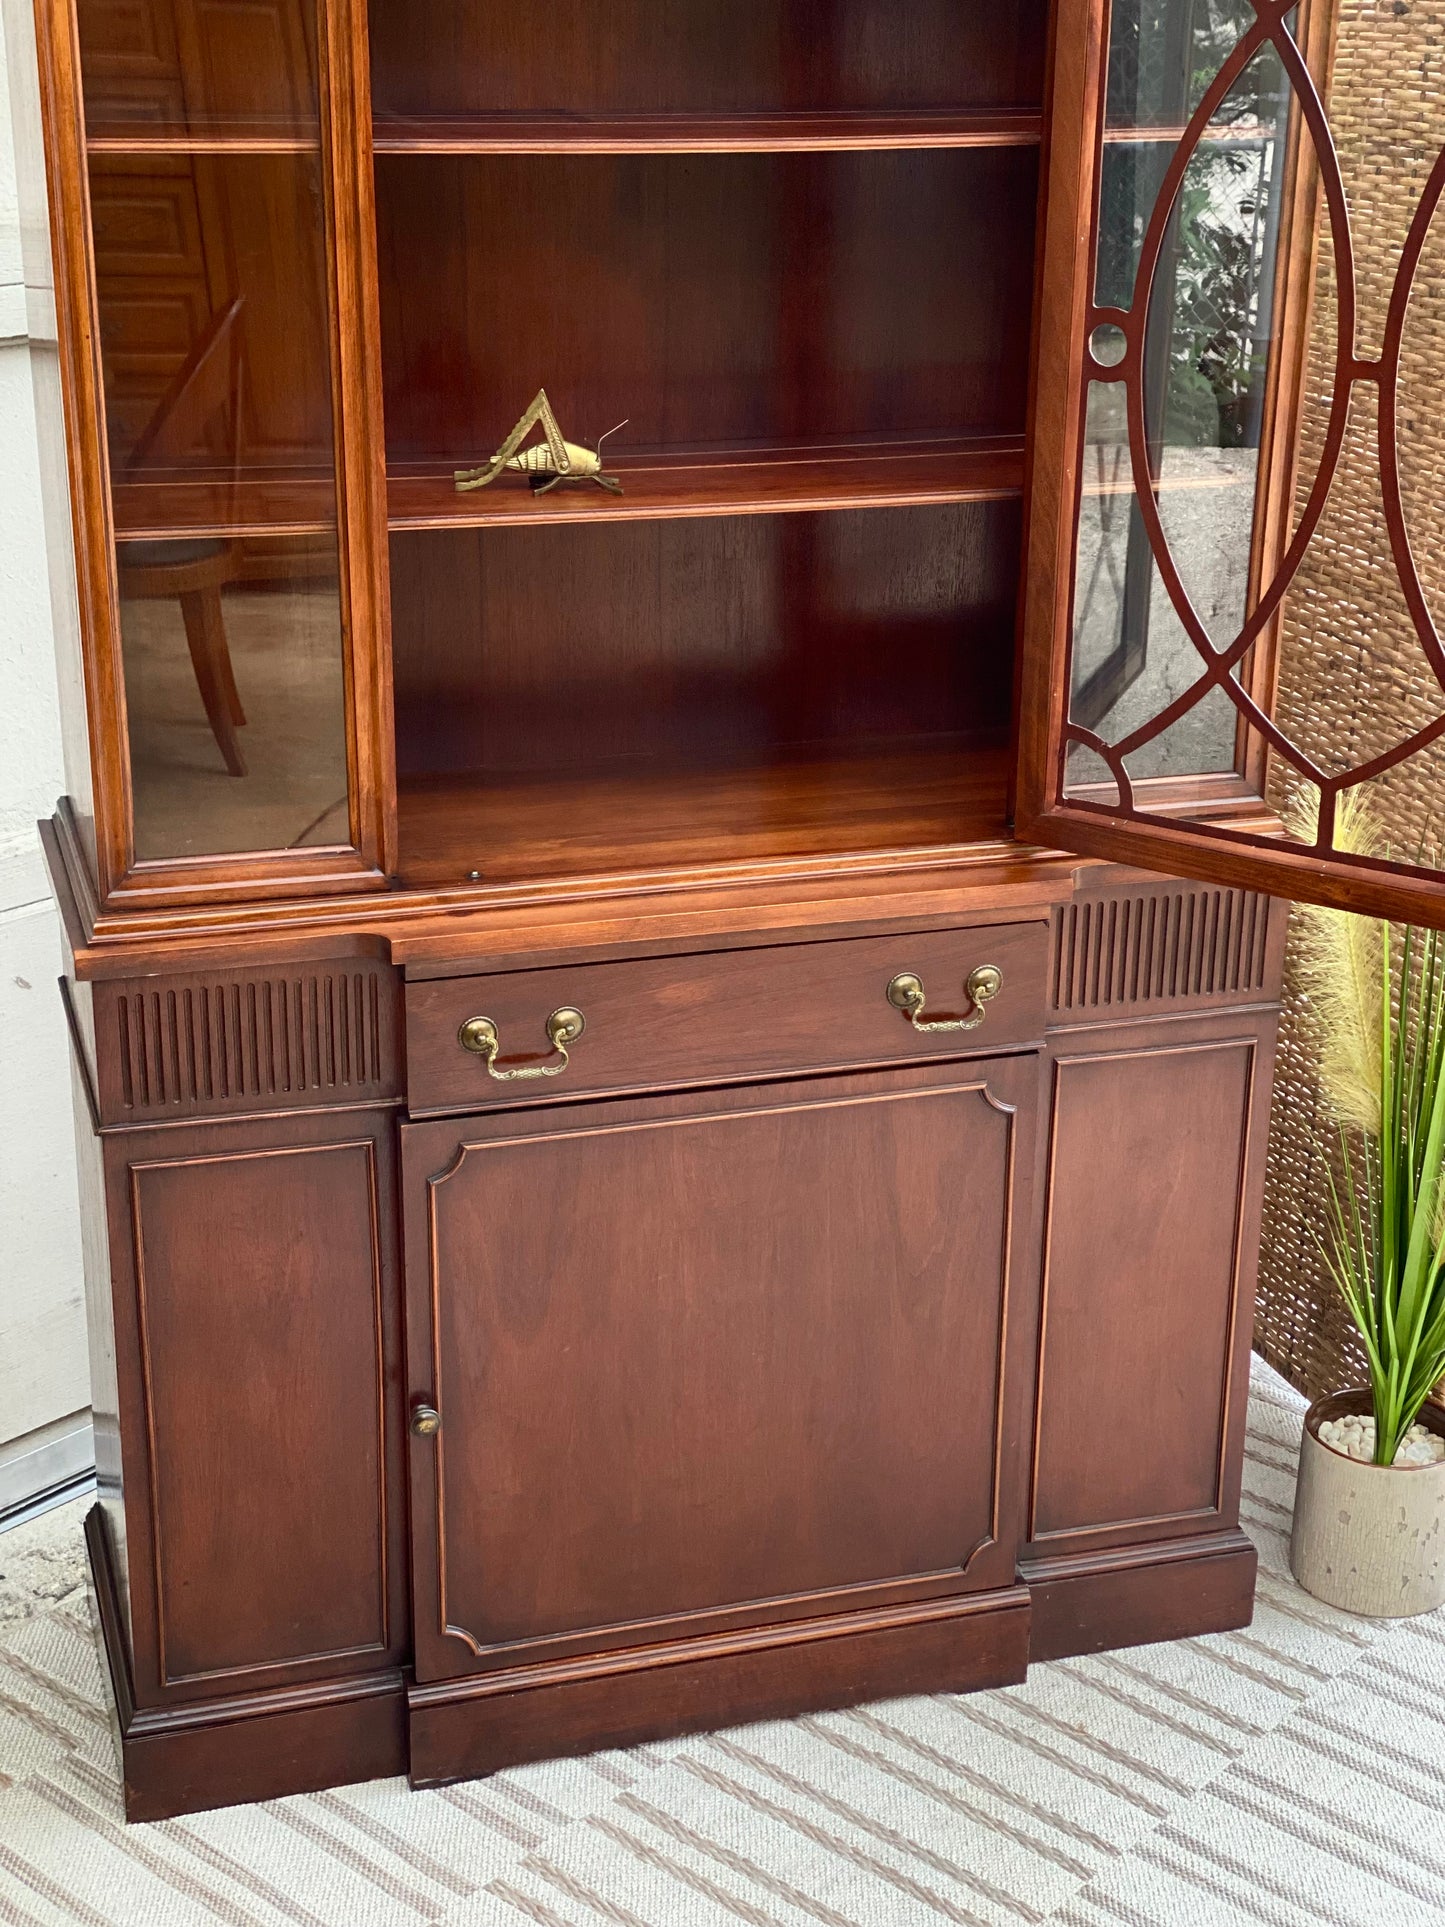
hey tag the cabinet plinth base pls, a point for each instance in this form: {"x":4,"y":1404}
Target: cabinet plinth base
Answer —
{"x":462,"y":1729}
{"x":1134,"y":1595}
{"x":184,"y":1759}
{"x":222,"y":1753}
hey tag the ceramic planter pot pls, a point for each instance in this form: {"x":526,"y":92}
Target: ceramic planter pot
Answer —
{"x":1368,"y":1538}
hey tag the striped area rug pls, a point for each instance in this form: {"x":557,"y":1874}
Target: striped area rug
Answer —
{"x":1284,"y":1776}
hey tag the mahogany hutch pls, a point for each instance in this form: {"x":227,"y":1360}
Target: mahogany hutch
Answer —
{"x":657,"y":1152}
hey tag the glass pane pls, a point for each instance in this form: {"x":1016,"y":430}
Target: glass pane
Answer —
{"x":213,"y":631}
{"x":214,"y":325}
{"x":1233,"y":490}
{"x":199,"y":64}
{"x":1162,"y":579}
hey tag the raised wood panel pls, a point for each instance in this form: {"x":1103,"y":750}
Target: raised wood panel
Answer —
{"x":250,"y":1041}
{"x":1122,"y":955}
{"x":1144,"y":1239}
{"x":259,"y":1310}
{"x":707,"y":1366}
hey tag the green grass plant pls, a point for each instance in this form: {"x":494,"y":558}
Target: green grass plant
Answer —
{"x":1379,"y":1006}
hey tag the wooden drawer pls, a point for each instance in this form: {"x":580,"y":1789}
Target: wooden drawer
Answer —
{"x":660,"y":1021}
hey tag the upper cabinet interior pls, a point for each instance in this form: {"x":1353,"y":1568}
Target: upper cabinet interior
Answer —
{"x":776,"y":262}
{"x":779,"y":262}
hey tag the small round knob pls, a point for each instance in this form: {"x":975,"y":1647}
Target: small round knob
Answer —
{"x":905,"y":991}
{"x":565,"y":1026}
{"x":478,"y":1034}
{"x":426,"y":1421}
{"x":984,"y":982}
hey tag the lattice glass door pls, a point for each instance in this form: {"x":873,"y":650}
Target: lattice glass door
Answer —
{"x":1237,"y":571}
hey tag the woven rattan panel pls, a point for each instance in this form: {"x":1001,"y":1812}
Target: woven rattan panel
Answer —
{"x":1352,"y":677}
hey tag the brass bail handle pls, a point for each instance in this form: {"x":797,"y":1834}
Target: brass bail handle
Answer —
{"x":481,"y":1036}
{"x":982,"y":985}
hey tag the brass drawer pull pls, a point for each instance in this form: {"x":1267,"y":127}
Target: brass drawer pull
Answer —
{"x":426,"y":1421}
{"x":480,"y":1035}
{"x":983,"y":984}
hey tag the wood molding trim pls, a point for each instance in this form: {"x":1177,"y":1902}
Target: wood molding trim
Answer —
{"x":248,"y":1041}
{"x":1133,"y":1596}
{"x":478,"y":1725}
{"x":222,"y":1752}
{"x":1130,"y":953}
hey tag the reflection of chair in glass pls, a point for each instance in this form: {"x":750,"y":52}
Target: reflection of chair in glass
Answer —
{"x":194,"y":569}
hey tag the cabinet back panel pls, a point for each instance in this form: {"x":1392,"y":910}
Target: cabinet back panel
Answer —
{"x":709,"y":56}
{"x":709,"y":300}
{"x":700,"y":641}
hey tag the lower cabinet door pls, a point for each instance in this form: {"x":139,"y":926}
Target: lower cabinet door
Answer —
{"x":706,"y":1362}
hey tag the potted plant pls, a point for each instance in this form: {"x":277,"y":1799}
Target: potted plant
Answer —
{"x":1369,"y":1522}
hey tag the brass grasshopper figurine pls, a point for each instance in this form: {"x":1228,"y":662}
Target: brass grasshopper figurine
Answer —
{"x":545,"y":463}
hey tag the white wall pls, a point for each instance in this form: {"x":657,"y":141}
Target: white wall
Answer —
{"x":44,"y":1381}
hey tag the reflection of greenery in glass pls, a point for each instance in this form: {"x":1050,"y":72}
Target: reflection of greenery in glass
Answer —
{"x":1216,"y":357}
{"x":1212,"y":292}
{"x":1164,"y":53}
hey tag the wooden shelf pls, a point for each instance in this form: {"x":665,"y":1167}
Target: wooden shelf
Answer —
{"x":123,"y":137}
{"x":948,"y":793}
{"x":890,"y":475}
{"x":174,"y":508}
{"x":703,"y":134}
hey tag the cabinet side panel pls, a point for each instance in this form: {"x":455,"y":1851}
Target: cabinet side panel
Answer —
{"x":1145,"y":1237}
{"x":259,"y":1319}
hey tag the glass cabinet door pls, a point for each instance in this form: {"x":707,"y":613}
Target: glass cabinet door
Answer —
{"x":1238,"y":574}
{"x":208,"y":136}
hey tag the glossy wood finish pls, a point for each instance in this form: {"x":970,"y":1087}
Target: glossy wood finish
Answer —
{"x":1138,"y":1447}
{"x":464,"y":1728}
{"x":622,"y":1314}
{"x":1136,"y":1595}
{"x":652,"y":1023}
{"x":193,"y":67}
{"x":706,"y":303}
{"x":446,"y":57}
{"x":161,"y":206}
{"x":660,"y":822}
{"x":265,"y":1522}
{"x":588,"y":699}
{"x":730,"y":482}
{"x":842,"y":131}
{"x":1111,"y":822}
{"x":246,"y":1041}
{"x":713,"y":760}
{"x":743,"y":1621}
{"x":228,"y":1752}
